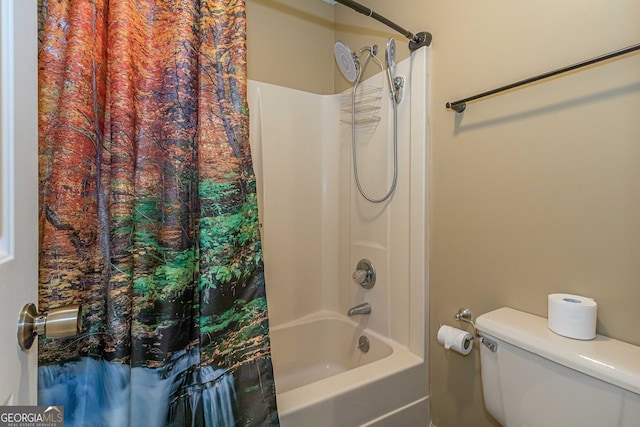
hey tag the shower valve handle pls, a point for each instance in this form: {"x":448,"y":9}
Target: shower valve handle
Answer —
{"x":365,"y":274}
{"x":360,"y":276}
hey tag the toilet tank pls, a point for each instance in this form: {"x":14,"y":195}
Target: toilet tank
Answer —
{"x":538,"y":378}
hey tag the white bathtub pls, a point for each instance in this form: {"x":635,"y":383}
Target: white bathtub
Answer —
{"x":323,"y":379}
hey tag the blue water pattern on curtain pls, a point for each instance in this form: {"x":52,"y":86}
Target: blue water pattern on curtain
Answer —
{"x":74,"y":386}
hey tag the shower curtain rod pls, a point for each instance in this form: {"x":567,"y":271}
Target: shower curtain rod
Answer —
{"x":416,"y":41}
{"x":460,"y":105}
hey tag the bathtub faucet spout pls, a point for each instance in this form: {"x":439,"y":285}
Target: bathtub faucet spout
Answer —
{"x":364,"y":308}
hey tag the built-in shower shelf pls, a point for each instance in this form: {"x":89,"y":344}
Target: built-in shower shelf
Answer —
{"x":364,"y":108}
{"x":367,"y":106}
{"x":372,"y":120}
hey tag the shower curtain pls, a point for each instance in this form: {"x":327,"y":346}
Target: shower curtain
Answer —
{"x":148,"y":216}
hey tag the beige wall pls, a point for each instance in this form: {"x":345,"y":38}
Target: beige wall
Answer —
{"x":290,"y":44}
{"x":534,"y":191}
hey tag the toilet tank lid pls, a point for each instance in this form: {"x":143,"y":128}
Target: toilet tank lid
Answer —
{"x":605,"y":358}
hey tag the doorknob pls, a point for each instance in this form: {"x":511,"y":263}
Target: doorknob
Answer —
{"x":59,"y":322}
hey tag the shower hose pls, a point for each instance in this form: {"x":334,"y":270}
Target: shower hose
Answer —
{"x":395,"y":134}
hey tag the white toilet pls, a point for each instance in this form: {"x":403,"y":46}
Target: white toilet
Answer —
{"x":537,"y":378}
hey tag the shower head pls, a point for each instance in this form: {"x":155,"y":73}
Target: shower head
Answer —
{"x":346,"y":61}
{"x":390,"y":53}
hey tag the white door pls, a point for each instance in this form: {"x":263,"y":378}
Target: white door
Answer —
{"x":18,"y":194}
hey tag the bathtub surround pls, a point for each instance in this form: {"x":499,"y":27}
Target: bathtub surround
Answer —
{"x":316,"y":229}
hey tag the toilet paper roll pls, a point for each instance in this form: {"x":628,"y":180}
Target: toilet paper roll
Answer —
{"x":572,"y":316}
{"x":455,"y":339}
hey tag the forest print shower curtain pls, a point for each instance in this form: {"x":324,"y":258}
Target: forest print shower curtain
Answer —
{"x":148,"y":216}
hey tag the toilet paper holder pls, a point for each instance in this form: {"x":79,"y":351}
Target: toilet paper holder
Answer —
{"x":465,"y":315}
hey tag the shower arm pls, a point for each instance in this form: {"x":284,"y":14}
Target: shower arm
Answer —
{"x":416,"y":41}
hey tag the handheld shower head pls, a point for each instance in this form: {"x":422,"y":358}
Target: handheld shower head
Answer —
{"x":346,"y":61}
{"x":390,"y":53}
{"x":395,"y":84}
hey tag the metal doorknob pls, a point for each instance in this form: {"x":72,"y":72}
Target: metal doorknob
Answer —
{"x":61,"y":322}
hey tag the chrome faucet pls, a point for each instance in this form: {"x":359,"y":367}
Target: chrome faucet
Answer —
{"x":364,"y":308}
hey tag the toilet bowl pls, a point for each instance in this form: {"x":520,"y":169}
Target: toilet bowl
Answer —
{"x":540,"y":379}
